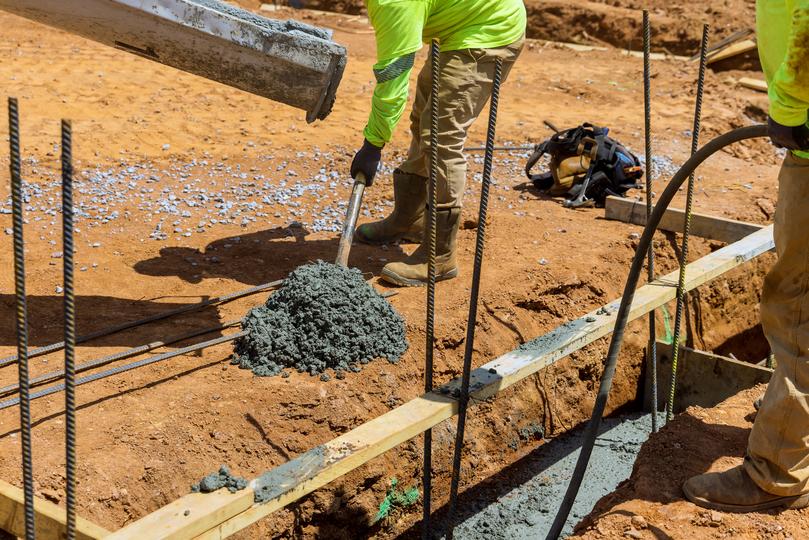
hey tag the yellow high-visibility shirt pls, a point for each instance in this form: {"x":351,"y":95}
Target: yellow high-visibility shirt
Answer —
{"x":782,"y":30}
{"x":402,"y":26}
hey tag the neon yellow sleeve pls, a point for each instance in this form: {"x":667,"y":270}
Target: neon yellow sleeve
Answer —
{"x":789,"y":89}
{"x":389,"y":100}
{"x":398,"y":26}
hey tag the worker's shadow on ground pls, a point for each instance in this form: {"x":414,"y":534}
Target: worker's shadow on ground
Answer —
{"x":97,"y":312}
{"x":260,"y":257}
{"x":650,"y":485}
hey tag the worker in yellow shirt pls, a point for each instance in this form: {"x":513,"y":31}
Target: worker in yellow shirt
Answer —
{"x":472,"y":35}
{"x":775,"y":471}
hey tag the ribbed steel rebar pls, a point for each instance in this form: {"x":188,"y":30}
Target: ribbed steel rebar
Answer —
{"x":216,"y":300}
{"x":471,"y":321}
{"x":127,"y":367}
{"x":651,"y":361}
{"x":106,"y":360}
{"x":427,"y":475}
{"x":689,"y":204}
{"x":70,"y":330}
{"x":22,"y":315}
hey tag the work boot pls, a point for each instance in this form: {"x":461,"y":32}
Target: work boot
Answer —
{"x":406,"y":222}
{"x":734,"y":491}
{"x":412,"y":272}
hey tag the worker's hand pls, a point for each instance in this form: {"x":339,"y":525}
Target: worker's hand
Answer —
{"x":789,"y":137}
{"x":366,"y":162}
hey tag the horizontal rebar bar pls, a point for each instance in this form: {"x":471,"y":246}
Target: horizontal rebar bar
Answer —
{"x":127,"y":367}
{"x":53,"y":347}
{"x":146,"y":361}
{"x":103,"y":361}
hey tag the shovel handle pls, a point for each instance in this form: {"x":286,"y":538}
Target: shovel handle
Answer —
{"x":350,"y":223}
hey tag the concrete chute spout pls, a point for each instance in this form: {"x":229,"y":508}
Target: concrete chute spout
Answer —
{"x":286,"y":61}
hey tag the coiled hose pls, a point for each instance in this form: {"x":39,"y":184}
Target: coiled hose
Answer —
{"x":591,"y":433}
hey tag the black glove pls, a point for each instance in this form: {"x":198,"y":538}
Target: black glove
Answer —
{"x":791,"y":138}
{"x":366,"y":162}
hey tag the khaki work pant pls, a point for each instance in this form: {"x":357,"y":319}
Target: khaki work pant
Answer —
{"x":778,"y":449}
{"x":464,"y":89}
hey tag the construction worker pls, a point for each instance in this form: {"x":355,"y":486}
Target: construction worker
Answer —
{"x":472,"y":35}
{"x":775,"y":471}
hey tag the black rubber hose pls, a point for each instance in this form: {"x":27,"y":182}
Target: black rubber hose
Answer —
{"x":591,"y":433}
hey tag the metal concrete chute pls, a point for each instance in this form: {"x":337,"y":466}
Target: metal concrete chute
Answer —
{"x":286,"y":61}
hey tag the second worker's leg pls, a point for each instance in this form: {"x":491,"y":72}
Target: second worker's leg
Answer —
{"x":775,"y":472}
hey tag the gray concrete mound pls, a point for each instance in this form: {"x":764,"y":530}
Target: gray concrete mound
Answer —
{"x":218,"y":480}
{"x":322,"y":317}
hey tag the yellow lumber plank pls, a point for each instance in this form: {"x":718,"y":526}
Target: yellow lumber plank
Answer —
{"x":753,"y":84}
{"x":319,"y":466}
{"x":188,"y":516}
{"x":732,"y":50}
{"x":702,"y":225}
{"x":49,"y":518}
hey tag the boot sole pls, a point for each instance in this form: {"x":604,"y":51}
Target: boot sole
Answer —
{"x":794,"y":502}
{"x":396,"y":279}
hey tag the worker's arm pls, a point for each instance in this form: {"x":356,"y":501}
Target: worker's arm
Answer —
{"x":398,"y":26}
{"x":789,"y":88}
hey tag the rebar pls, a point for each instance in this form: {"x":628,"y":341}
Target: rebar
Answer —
{"x":137,"y":350}
{"x":427,"y":479}
{"x":689,"y":205}
{"x":70,"y":330}
{"x":106,"y":360}
{"x":651,"y":349}
{"x":216,"y":300}
{"x":22,"y":316}
{"x":480,"y":243}
{"x":127,"y":367}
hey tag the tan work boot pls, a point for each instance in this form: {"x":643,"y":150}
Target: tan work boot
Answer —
{"x":406,"y":222}
{"x":734,"y":491}
{"x":412,"y":272}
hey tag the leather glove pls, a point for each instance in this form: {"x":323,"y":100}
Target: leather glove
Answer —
{"x":791,"y":138}
{"x":366,"y":162}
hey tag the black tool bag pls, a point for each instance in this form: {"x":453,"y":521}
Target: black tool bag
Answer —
{"x":585,"y":166}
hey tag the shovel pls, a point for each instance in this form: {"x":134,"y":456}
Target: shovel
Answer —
{"x":350,"y":223}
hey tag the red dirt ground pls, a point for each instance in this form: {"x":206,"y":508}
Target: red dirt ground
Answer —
{"x":145,"y":436}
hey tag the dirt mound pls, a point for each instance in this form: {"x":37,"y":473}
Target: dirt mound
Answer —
{"x":676,"y":28}
{"x":323,"y":317}
{"x":651,"y":505}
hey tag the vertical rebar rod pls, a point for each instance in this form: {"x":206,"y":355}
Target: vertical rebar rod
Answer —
{"x":22,"y":315}
{"x":651,"y":349}
{"x":70,"y":330}
{"x":471,"y":321}
{"x":427,"y":479}
{"x":689,"y":204}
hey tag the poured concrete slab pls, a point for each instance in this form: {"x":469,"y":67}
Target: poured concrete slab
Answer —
{"x":286,"y":61}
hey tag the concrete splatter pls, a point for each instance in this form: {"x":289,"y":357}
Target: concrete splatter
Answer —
{"x":322,"y":317}
{"x":219,"y":479}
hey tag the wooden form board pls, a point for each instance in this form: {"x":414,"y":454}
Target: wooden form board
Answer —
{"x":49,"y":519}
{"x":702,"y":225}
{"x":753,"y":84}
{"x":224,"y":513}
{"x":732,"y":50}
{"x":705,"y":379}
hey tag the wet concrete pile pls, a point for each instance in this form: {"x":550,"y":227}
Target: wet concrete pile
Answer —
{"x":322,"y":317}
